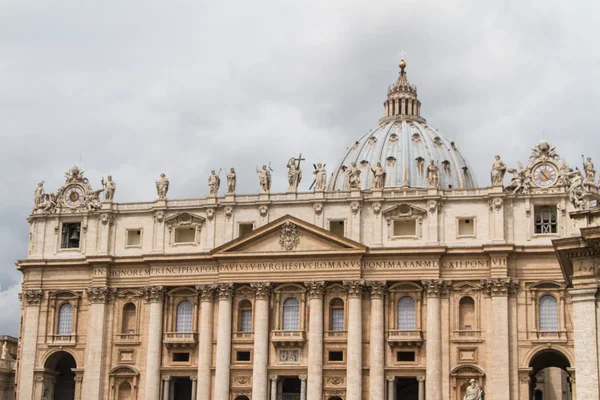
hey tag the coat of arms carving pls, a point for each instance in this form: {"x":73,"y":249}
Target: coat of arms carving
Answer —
{"x":290,"y":236}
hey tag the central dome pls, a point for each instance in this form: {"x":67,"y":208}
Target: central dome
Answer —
{"x":405,"y":146}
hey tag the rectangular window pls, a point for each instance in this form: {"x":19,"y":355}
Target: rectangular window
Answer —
{"x":405,"y":356}
{"x":336,"y":356}
{"x":185,"y":235}
{"x":245,"y":229}
{"x":134,"y":237}
{"x":337,"y":227}
{"x":466,"y":227}
{"x":246,"y":325}
{"x":405,"y":228}
{"x":545,"y":219}
{"x":181,"y":357}
{"x":337,"y":319}
{"x":243,"y":356}
{"x":70,"y":235}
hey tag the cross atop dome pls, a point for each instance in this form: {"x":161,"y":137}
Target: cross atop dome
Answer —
{"x":402,"y":102}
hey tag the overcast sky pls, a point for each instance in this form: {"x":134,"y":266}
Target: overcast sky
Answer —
{"x":134,"y":89}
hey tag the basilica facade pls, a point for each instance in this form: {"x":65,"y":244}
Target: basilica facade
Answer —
{"x":396,"y":277}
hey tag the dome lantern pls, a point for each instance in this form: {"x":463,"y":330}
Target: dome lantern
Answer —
{"x":402,"y":102}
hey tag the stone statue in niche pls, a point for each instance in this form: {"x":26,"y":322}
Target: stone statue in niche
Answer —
{"x":264,"y":178}
{"x":498,"y":171}
{"x":433,"y":175}
{"x":214,"y":182}
{"x":38,"y":194}
{"x":474,"y":391}
{"x":294,"y":174}
{"x":231,"y":181}
{"x":320,"y":177}
{"x":109,"y":188}
{"x":378,"y":176}
{"x":162,"y":186}
{"x":590,"y":172}
{"x":353,"y":177}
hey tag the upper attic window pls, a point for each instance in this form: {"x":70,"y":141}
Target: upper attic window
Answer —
{"x":545,"y":219}
{"x":70,"y":235}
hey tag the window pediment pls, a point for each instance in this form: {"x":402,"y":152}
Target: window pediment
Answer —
{"x":184,"y":219}
{"x":402,"y":211}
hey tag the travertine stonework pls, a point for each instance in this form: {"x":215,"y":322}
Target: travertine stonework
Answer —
{"x":398,"y":279}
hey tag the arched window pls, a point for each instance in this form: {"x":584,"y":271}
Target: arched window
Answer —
{"x":245,"y":317}
{"x":65,"y":319}
{"x":128,"y":323}
{"x":548,"y":313}
{"x":125,"y":391}
{"x":291,"y":315}
{"x":406,"y":314}
{"x":466,"y":314}
{"x":184,"y":317}
{"x":337,"y":314}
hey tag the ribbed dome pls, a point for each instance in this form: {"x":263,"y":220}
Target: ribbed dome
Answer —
{"x":405,"y":145}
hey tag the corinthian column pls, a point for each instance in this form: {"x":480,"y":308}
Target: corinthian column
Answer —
{"x":376,"y":344}
{"x":94,"y":349}
{"x":434,"y":288}
{"x":315,"y":339}
{"x":31,"y":301}
{"x":205,"y":342}
{"x":222,"y":374}
{"x":354,"y":362}
{"x":154,"y":295}
{"x":499,"y":289}
{"x":260,"y":378}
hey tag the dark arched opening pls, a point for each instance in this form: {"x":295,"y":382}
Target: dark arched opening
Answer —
{"x":335,"y":398}
{"x":62,"y":364}
{"x":182,"y":388}
{"x":290,"y":388}
{"x":242,"y":398}
{"x":549,"y":375}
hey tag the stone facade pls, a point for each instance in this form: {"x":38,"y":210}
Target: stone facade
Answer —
{"x":8,"y":366}
{"x":393,"y":293}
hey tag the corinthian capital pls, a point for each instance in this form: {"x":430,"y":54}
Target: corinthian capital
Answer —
{"x":100,"y":294}
{"x":315,"y":289}
{"x":225,"y":291}
{"x":355,"y":288}
{"x":500,"y":286}
{"x":436,"y":287}
{"x":377,"y":289}
{"x":32,"y":297}
{"x":207,"y":292}
{"x":153,"y":294}
{"x":262,"y":290}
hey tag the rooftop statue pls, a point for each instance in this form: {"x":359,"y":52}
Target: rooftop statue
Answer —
{"x":264,"y":178}
{"x":214,"y":182}
{"x":353,"y":177}
{"x":231,"y":181}
{"x":162,"y":186}
{"x":378,"y":176}
{"x":37,"y":196}
{"x":294,"y":174}
{"x":433,"y":175}
{"x":498,"y":171}
{"x":520,"y":182}
{"x":576,"y":189}
{"x":590,"y":172}
{"x":320,"y":178}
{"x":109,"y":188}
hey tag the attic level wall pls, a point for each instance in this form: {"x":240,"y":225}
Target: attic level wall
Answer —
{"x":503,"y":220}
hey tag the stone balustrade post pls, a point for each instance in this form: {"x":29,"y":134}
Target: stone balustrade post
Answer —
{"x":354,"y":361}
{"x":315,"y":339}
{"x":223,"y":355}
{"x":155,"y":296}
{"x":377,"y":342}
{"x":260,"y":383}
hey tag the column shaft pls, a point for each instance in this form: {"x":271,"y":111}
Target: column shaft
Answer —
{"x":260,"y":378}
{"x":273,"y":387}
{"x":153,"y":353}
{"x":205,"y":344}
{"x":377,"y":339}
{"x":29,"y":344}
{"x":302,"y":387}
{"x":391,"y":388}
{"x":586,"y":348}
{"x":94,"y":352}
{"x":354,"y":351}
{"x":315,"y":340}
{"x":222,"y":374}
{"x":433,"y":348}
{"x":500,"y":349}
{"x":194,"y":388}
{"x":421,"y":380}
{"x":166,"y":388}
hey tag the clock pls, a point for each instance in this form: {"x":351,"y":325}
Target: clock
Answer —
{"x":545,"y":175}
{"x":74,"y":196}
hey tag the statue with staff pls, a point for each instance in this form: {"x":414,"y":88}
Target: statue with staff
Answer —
{"x":294,"y":173}
{"x":320,"y":177}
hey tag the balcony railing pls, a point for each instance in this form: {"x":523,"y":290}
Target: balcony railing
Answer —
{"x":405,"y":337}
{"x":127,"y":338}
{"x":337,"y":334}
{"x":467,"y":335}
{"x":179,"y":339}
{"x":62,"y":340}
{"x":288,"y":338}
{"x":550,"y":335}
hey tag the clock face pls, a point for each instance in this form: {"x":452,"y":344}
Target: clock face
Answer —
{"x":74,"y":196}
{"x":545,"y":175}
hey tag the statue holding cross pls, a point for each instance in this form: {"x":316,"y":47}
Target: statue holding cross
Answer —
{"x":294,"y":173}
